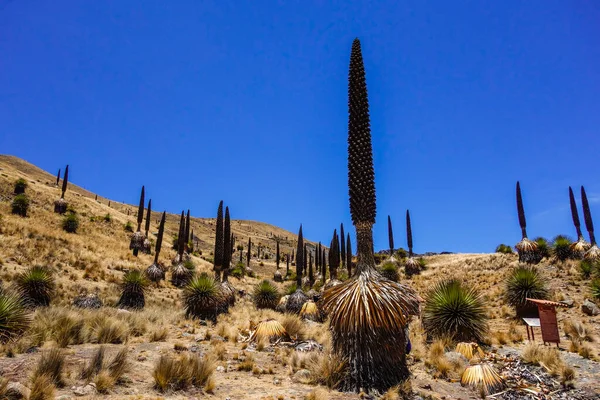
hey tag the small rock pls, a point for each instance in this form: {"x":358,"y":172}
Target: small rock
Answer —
{"x":16,"y":390}
{"x":220,"y":368}
{"x":568,"y":302}
{"x":141,"y":357}
{"x":199,"y":338}
{"x":276,"y":381}
{"x":302,"y":376}
{"x":87,"y":390}
{"x":194,"y":348}
{"x":590,"y":308}
{"x":456,"y":358}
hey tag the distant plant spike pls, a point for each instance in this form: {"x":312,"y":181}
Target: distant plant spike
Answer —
{"x":186,"y":234}
{"x":318,"y":257}
{"x":390,"y":236}
{"x":409,"y":234}
{"x":292,"y":255}
{"x":342,"y":246}
{"x":58,"y":177}
{"x":226,"y":244}
{"x":180,"y":239}
{"x":218,"y":259}
{"x":324,"y":267}
{"x":349,"y":254}
{"x":299,"y":258}
{"x":140,"y":214}
{"x":159,"y":237}
{"x":575,"y":213}
{"x":521,"y":211}
{"x":232,"y":245}
{"x":587,"y":216}
{"x":305,"y":259}
{"x":249,"y":254}
{"x":311,"y":275}
{"x":148,"y":216}
{"x":65,"y":182}
{"x":287,"y":264}
{"x":277,"y":255}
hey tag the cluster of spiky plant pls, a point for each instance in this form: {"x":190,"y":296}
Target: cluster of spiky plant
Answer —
{"x":367,"y":313}
{"x":226,"y":287}
{"x":527,"y":249}
{"x":137,"y":239}
{"x":411,"y":265}
{"x":60,"y":205}
{"x":334,"y":260}
{"x":133,"y":289}
{"x":203,"y":298}
{"x":452,"y":309}
{"x":20,"y":186}
{"x":389,"y":270}
{"x":180,"y":274}
{"x":20,"y":205}
{"x":146,"y":246}
{"x":36,"y":286}
{"x":579,"y":247}
{"x":70,"y":223}
{"x":266,"y":295}
{"x":156,"y":271}
{"x":525,"y":282}
{"x":297,"y":299}
{"x":561,"y":248}
{"x":14,"y":317}
{"x":593,"y":253}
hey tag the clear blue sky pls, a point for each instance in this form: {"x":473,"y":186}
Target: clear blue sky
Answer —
{"x":247,"y":102}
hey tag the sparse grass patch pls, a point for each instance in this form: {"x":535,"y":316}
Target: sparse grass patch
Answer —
{"x":247,"y":364}
{"x":51,"y":364}
{"x":293,"y":326}
{"x":182,"y":372}
{"x":159,"y":334}
{"x":42,"y":388}
{"x":327,"y":370}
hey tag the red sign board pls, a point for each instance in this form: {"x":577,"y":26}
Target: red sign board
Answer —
{"x":548,"y":324}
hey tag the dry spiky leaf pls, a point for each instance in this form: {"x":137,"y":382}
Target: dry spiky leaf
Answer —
{"x":483,"y":377}
{"x":270,"y":329}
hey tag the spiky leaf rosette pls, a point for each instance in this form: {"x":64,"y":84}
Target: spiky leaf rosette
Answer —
{"x":36,"y":286}
{"x":525,"y":282}
{"x":14,"y":317}
{"x":409,"y":238}
{"x":133,"y":288}
{"x":203,"y":298}
{"x":180,"y":275}
{"x":561,"y":247}
{"x":266,"y":295}
{"x":88,"y":300}
{"x":60,"y":206}
{"x":389,"y":270}
{"x":361,"y":175}
{"x":229,"y":293}
{"x":270,"y":329}
{"x":521,"y":211}
{"x":390,"y":236}
{"x":155,"y":272}
{"x":595,"y":288}
{"x":592,"y":254}
{"x":587,"y":216}
{"x":528,"y":251}
{"x":575,"y":213}
{"x":483,"y":378}
{"x":579,"y":248}
{"x":299,"y":258}
{"x":311,"y":312}
{"x":412,"y":266}
{"x":453,"y":309}
{"x":136,"y":242}
{"x":219,"y":243}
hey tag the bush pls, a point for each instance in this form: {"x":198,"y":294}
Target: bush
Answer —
{"x":389,"y":270}
{"x":561,"y":247}
{"x":587,"y":267}
{"x":239,"y":271}
{"x":128,"y":227}
{"x":504,"y":249}
{"x":133,"y":288}
{"x":36,"y":286}
{"x":108,"y":218}
{"x":20,"y":186}
{"x":183,"y":372}
{"x":291,"y":289}
{"x":452,"y":309}
{"x":70,"y":223}
{"x":202,"y":298}
{"x":595,"y":288}
{"x":266,"y":295}
{"x":51,"y":364}
{"x":525,"y":282}
{"x":401,"y":253}
{"x":14,"y":318}
{"x":20,"y":205}
{"x":543,"y":249}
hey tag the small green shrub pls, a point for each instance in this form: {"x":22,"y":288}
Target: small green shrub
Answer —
{"x":595,"y":288}
{"x":543,"y":249}
{"x":266,"y":295}
{"x":239,"y":271}
{"x":291,"y":289}
{"x":128,"y":227}
{"x":561,"y":247}
{"x":389,"y":269}
{"x":133,"y":289}
{"x":108,"y":218}
{"x":14,"y":317}
{"x":586,"y":267}
{"x":202,"y":298}
{"x":36,"y":286}
{"x":20,"y":186}
{"x":189,"y":265}
{"x":504,"y":249}
{"x":525,"y":282}
{"x":20,"y":205}
{"x":70,"y":223}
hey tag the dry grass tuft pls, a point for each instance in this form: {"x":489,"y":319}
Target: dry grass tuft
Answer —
{"x":327,"y":370}
{"x":159,"y":334}
{"x":399,"y":392}
{"x":104,"y":382}
{"x":247,"y":364}
{"x":547,"y":357}
{"x":51,"y":364}
{"x":317,"y":394}
{"x":42,"y":388}
{"x":182,"y":372}
{"x":294,"y":326}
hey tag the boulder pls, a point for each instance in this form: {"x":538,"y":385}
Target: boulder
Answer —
{"x":590,"y":308}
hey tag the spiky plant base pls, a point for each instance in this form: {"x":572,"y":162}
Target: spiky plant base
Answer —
{"x":579,"y":248}
{"x":305,"y":282}
{"x":60,"y":206}
{"x":311,"y":312}
{"x":412,"y":267}
{"x":14,"y":317}
{"x":528,"y":251}
{"x":296,"y":301}
{"x":137,"y":241}
{"x":155,"y":273}
{"x":146,"y":247}
{"x":277,"y":277}
{"x":593,"y":254}
{"x":90,"y":301}
{"x":368,"y":315}
{"x":132,"y":300}
{"x":181,"y":259}
{"x":180,"y":275}
{"x":203,"y":299}
{"x":282,"y":305}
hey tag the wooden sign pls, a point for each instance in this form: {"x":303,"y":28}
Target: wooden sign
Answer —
{"x":548,"y":324}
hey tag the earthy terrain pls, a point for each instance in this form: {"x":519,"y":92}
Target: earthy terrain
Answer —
{"x":95,"y":258}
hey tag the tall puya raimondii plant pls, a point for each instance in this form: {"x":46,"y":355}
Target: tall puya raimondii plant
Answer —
{"x":412,"y":266}
{"x":298,"y":298}
{"x":156,"y":271}
{"x":593,"y":253}
{"x":277,"y":277}
{"x":147,"y":247}
{"x":527,"y":249}
{"x":342,"y":246}
{"x":219,"y":244}
{"x":186,"y":234}
{"x":390,"y":236}
{"x":180,"y":275}
{"x":368,"y":313}
{"x":579,"y":247}
{"x":334,"y":261}
{"x":227,"y":289}
{"x":60,"y":205}
{"x":137,"y":239}
{"x":348,"y":254}
{"x":58,"y":177}
{"x":249,"y":253}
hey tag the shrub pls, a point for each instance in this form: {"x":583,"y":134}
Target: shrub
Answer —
{"x":70,"y":223}
{"x":51,"y":364}
{"x":291,"y":289}
{"x":128,"y":227}
{"x":452,"y":309}
{"x":561,"y":247}
{"x":20,"y":186}
{"x":239,"y":271}
{"x":108,"y":218}
{"x":36,"y":286}
{"x":586,"y":267}
{"x":14,"y":317}
{"x":182,"y":372}
{"x":42,"y":388}
{"x":525,"y":282}
{"x":543,"y":248}
{"x":20,"y":205}
{"x":389,"y":270}
{"x":202,"y":298}
{"x":504,"y":249}
{"x":327,"y":370}
{"x":266,"y":295}
{"x":595,"y":288}
{"x":133,"y":288}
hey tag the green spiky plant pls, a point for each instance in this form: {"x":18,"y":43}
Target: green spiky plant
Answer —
{"x":60,"y":205}
{"x":504,"y":249}
{"x":219,"y":243}
{"x":266,"y":295}
{"x":348,"y":254}
{"x":226,"y":287}
{"x":593,"y":253}
{"x":527,"y":249}
{"x":202,"y":298}
{"x":543,"y":247}
{"x":368,"y":314}
{"x":455,"y":310}
{"x":20,"y":186}
{"x":525,"y":282}
{"x":411,"y":265}
{"x":298,"y":298}
{"x":561,"y":247}
{"x":70,"y":223}
{"x":389,"y":270}
{"x":180,"y":275}
{"x":36,"y":286}
{"x":133,"y":288}
{"x":595,"y":288}
{"x":147,"y":247}
{"x":20,"y":205}
{"x":137,"y":239}
{"x":156,"y":272}
{"x":14,"y":317}
{"x":579,"y":247}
